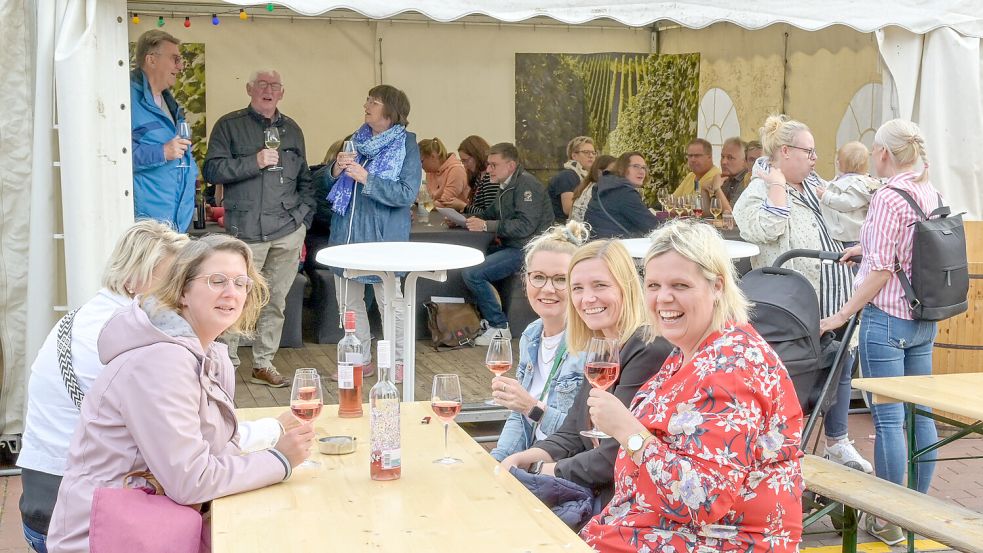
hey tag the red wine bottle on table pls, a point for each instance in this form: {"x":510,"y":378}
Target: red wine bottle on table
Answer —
{"x":385,"y":462}
{"x":351,"y":365}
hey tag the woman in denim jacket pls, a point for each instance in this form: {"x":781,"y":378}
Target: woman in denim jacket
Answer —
{"x":547,"y":377}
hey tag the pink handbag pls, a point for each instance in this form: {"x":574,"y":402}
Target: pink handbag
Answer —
{"x":143,"y":519}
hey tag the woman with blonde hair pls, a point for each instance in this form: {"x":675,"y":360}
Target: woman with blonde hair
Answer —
{"x":709,"y":454}
{"x":585,"y":190}
{"x":892,"y":342}
{"x":142,"y":256}
{"x":548,"y":376}
{"x":780,"y":211}
{"x":447,"y":180}
{"x":163,"y":403}
{"x":580,"y":158}
{"x":604,"y":300}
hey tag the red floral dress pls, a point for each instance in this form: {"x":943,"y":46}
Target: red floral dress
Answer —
{"x":724,"y":472}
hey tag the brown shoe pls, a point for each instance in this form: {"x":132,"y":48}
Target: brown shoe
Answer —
{"x":268,"y":376}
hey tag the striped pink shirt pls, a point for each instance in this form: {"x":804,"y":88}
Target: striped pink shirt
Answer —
{"x":887,"y":233}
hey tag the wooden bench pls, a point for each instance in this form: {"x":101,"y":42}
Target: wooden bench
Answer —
{"x":943,"y":521}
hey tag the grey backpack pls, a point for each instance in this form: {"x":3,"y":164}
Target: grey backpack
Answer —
{"x":939,"y":273}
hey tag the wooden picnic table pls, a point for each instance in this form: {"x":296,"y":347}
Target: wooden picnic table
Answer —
{"x":336,"y":507}
{"x":956,"y":393}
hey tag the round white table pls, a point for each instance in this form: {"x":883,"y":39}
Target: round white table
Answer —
{"x":638,"y":247}
{"x":386,"y":260}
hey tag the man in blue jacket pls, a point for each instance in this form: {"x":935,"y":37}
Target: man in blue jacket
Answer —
{"x":164,"y":170}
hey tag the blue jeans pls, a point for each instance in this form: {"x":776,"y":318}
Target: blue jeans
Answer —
{"x":835,"y":423}
{"x":35,"y":540}
{"x":890,"y":346}
{"x":498,"y":265}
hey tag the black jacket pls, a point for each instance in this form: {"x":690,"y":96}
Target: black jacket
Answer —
{"x":260,"y":205}
{"x":520,"y":212}
{"x":575,"y":456}
{"x":626,"y":216}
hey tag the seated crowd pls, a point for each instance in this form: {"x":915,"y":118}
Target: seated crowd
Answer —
{"x":702,"y":423}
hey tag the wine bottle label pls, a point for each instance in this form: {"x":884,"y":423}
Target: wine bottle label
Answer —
{"x":353,"y":357}
{"x":346,"y":376}
{"x":391,"y":459}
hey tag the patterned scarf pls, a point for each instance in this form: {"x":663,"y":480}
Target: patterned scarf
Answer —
{"x":382,"y":155}
{"x":576,"y":167}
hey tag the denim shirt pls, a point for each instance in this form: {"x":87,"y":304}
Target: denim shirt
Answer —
{"x":518,"y":433}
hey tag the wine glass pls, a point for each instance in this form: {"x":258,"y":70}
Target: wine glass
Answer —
{"x":272,"y":139}
{"x":679,"y":206}
{"x":348,"y":150}
{"x":445,"y":400}
{"x":184,"y":131}
{"x":499,"y":358}
{"x":687,"y":204}
{"x":715,"y":208}
{"x":603,"y":363}
{"x":697,"y":206}
{"x":306,"y":400}
{"x":426,"y":201}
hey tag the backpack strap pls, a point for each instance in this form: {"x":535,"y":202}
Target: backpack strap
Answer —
{"x":911,"y":201}
{"x":65,"y":359}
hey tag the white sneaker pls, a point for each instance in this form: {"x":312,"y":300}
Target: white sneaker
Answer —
{"x":843,"y":452}
{"x":492,"y":332}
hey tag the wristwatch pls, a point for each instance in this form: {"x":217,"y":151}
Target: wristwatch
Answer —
{"x":536,"y":413}
{"x":636,"y":442}
{"x":535,"y":468}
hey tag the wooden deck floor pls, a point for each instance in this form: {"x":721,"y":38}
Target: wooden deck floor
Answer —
{"x":467,"y":363}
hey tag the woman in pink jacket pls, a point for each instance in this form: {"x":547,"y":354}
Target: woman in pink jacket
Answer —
{"x":447,"y":179}
{"x":164,"y":401}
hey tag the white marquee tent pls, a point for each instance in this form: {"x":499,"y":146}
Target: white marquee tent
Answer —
{"x":65,"y":173}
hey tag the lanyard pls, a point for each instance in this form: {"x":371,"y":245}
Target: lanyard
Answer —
{"x":556,"y":365}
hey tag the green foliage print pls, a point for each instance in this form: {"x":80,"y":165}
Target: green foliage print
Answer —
{"x":189,"y":91}
{"x":661,"y":120}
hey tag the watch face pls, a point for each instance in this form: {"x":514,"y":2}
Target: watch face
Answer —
{"x":635,"y":442}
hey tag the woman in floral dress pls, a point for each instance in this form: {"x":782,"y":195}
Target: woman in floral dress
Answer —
{"x":710,"y":457}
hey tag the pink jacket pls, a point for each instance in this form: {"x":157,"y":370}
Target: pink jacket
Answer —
{"x":164,"y":405}
{"x":450,"y":182}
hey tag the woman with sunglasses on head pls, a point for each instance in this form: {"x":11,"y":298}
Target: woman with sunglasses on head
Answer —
{"x":547,"y":376}
{"x":604,"y":300}
{"x":779,"y":211}
{"x":163,"y":403}
{"x":580,"y":158}
{"x":616,"y":208}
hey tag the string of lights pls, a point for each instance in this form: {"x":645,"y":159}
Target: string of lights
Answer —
{"x":214,"y":18}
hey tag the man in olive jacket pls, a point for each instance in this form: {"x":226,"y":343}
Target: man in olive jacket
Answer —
{"x":269,"y":203}
{"x":521,"y":211}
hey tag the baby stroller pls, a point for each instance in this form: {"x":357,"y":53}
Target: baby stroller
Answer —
{"x":786,"y":313}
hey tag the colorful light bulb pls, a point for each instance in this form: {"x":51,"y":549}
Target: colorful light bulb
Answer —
{"x":269,"y":7}
{"x":136,"y":19}
{"x":160,"y":20}
{"x":243,"y":15}
{"x":214,"y":19}
{"x":187,"y":22}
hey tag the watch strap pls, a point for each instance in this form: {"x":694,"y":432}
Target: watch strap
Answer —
{"x":536,"y":467}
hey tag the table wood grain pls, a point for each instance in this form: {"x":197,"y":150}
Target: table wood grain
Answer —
{"x":954,"y":393}
{"x":469,"y":507}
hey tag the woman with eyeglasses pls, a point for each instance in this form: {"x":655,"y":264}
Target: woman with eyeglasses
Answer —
{"x":547,"y":376}
{"x":164,"y":404}
{"x":580,"y":158}
{"x":616,"y":209}
{"x":780,"y":211}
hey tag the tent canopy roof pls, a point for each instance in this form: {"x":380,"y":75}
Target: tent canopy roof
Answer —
{"x":918,"y":16}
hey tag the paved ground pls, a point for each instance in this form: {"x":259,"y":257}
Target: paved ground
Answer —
{"x":958,"y":481}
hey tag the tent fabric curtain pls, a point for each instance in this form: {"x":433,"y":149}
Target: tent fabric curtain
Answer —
{"x":79,"y":180}
{"x":936,"y":80}
{"x":16,"y":131}
{"x":916,"y":16}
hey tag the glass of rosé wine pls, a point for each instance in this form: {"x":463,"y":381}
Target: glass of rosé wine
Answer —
{"x":498,"y":359}
{"x":306,"y":400}
{"x":445,"y":400}
{"x":603,"y":363}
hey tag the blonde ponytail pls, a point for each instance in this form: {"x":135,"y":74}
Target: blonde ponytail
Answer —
{"x":905,"y":146}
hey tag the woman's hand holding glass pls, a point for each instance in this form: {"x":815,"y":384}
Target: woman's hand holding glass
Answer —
{"x":610,"y":416}
{"x":508,"y":393}
{"x":295,"y":444}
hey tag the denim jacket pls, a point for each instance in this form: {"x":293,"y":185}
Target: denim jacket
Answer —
{"x":518,"y":433}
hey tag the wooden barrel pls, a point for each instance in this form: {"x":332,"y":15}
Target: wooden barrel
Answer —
{"x":959,"y":343}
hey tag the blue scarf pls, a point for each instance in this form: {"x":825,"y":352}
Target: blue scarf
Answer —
{"x":382,"y":155}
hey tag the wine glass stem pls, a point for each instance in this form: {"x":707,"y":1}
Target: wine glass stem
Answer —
{"x":446,"y":427}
